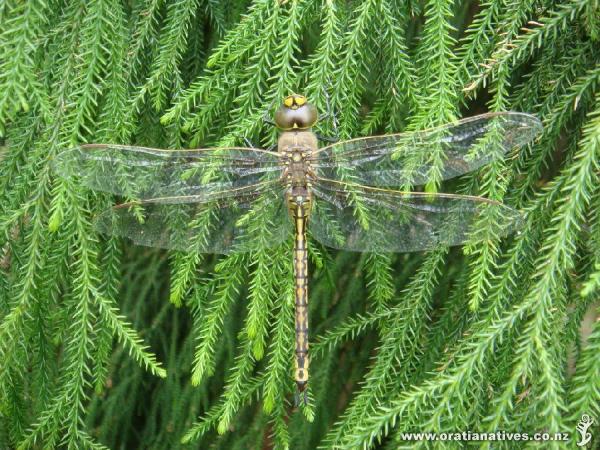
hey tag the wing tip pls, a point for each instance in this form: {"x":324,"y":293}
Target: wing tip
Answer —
{"x":525,"y":120}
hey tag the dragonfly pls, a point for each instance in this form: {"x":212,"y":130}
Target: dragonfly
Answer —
{"x":349,"y":195}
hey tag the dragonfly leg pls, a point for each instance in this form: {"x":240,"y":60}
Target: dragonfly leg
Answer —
{"x":331,"y":112}
{"x":247,"y":141}
{"x":251,"y":144}
{"x":266,"y":116}
{"x":327,"y":138}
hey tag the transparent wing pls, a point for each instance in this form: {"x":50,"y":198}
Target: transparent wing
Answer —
{"x":362,"y":219}
{"x":140,"y":172}
{"x":413,"y":158}
{"x":256,"y":217}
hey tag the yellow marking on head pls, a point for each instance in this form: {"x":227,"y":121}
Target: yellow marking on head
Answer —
{"x":294,"y":101}
{"x":296,"y":113}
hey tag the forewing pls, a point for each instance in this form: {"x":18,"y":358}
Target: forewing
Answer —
{"x":357,"y":218}
{"x":140,"y":172}
{"x":414,"y":158}
{"x":256,"y":217}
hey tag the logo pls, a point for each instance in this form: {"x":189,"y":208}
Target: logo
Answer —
{"x":582,"y":427}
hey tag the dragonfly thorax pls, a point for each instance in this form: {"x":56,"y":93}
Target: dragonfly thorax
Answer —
{"x":296,"y":148}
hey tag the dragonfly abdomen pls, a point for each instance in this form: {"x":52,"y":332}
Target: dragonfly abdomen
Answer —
{"x":301,"y":207}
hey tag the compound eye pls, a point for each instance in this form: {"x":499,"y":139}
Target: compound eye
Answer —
{"x":288,"y":101}
{"x":300,"y":100}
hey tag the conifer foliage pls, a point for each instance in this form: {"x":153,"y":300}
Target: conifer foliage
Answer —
{"x":107,"y":345}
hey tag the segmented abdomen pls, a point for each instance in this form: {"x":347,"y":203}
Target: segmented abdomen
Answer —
{"x":301,"y":285}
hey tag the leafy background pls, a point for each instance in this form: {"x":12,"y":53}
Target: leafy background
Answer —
{"x":498,"y":336}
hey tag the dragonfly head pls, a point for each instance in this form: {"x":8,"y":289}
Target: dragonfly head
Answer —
{"x":295,"y":113}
